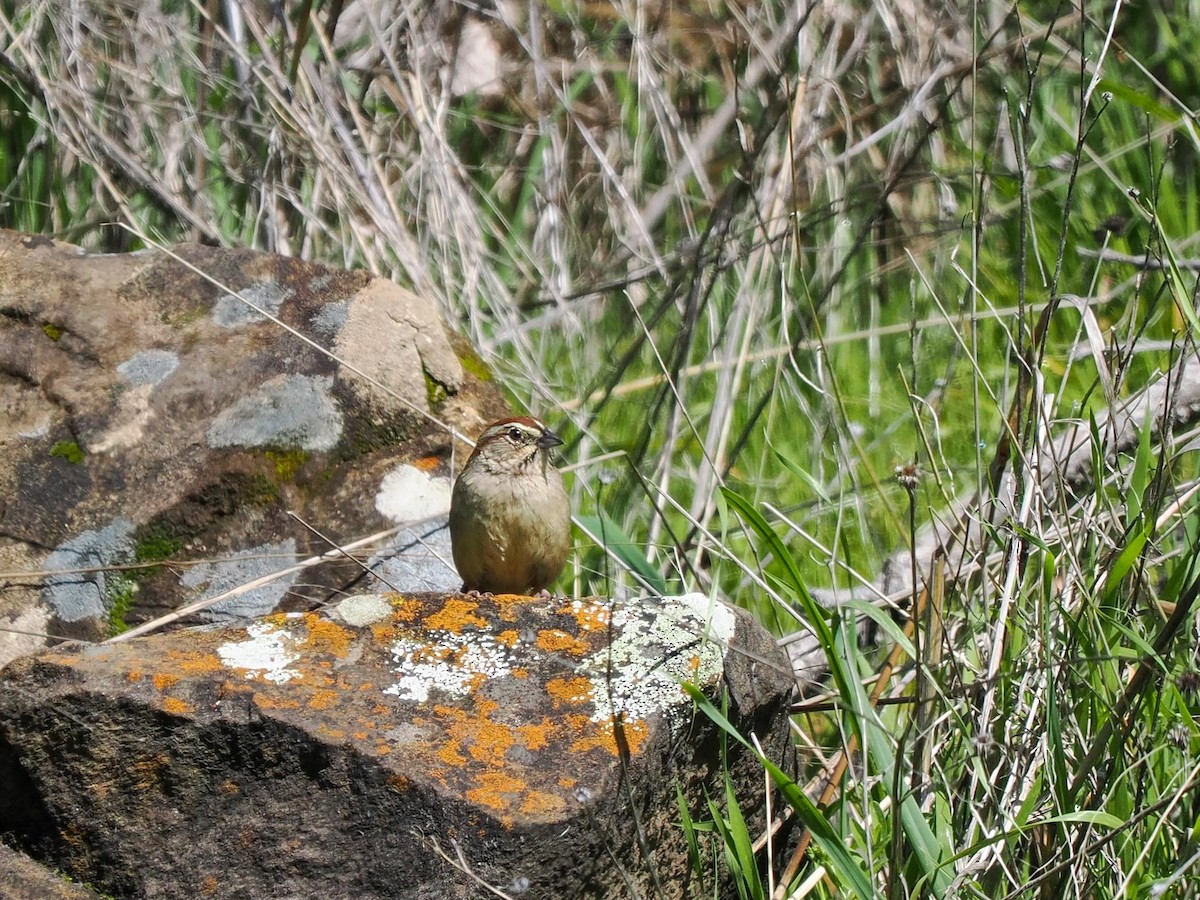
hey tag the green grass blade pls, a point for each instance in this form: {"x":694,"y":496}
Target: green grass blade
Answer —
{"x":843,"y":867}
{"x":1125,"y":561}
{"x":879,"y":748}
{"x":690,"y":836}
{"x":624,"y":548}
{"x":1139,"y":476}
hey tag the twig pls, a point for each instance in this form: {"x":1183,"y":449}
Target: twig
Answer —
{"x":191,"y":608}
{"x":1142,"y":260}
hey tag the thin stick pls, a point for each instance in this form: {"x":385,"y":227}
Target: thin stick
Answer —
{"x":343,"y":551}
{"x":155,"y":624}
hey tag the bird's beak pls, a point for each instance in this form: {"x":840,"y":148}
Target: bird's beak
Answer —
{"x":548,"y":439}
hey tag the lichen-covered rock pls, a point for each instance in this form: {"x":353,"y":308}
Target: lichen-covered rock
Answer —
{"x":156,"y":427}
{"x":384,"y":747}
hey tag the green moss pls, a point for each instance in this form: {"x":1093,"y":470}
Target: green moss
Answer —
{"x":476,"y":366}
{"x":287,"y":463}
{"x":435,"y":392}
{"x":197,"y":516}
{"x":156,"y":544}
{"x":68,"y":450}
{"x":364,"y":436}
{"x":52,"y":331}
{"x":260,"y":492}
{"x":122,"y":593}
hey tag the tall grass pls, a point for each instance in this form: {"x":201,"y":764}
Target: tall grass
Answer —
{"x":754,"y":259}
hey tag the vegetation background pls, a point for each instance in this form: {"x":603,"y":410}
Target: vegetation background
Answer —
{"x":754,"y":258}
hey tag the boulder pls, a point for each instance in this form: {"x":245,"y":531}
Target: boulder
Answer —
{"x":393,"y":745}
{"x":163,"y":413}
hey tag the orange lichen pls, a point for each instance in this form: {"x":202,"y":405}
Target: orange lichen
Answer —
{"x":323,"y":699}
{"x":209,"y":886}
{"x":188,"y":662}
{"x":636,"y":733}
{"x":164,"y":680}
{"x":602,"y":735}
{"x":325,"y":636}
{"x":510,"y":637}
{"x":590,"y":616}
{"x":134,"y":675}
{"x":579,"y":724}
{"x":269,"y":700}
{"x":177,"y":707}
{"x":542,"y":804}
{"x":406,"y":609}
{"x":455,"y":615}
{"x":384,"y":634}
{"x":486,"y":741}
{"x":499,"y":791}
{"x":427,"y":463}
{"x":575,"y":689}
{"x":313,"y":678}
{"x":508,"y":605}
{"x":476,"y":681}
{"x":448,"y":753}
{"x":519,"y":673}
{"x":554,"y":640}
{"x":148,"y":772}
{"x":536,"y":737}
{"x":399,"y":783}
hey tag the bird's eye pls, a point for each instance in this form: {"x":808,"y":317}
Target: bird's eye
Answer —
{"x":514,"y":434}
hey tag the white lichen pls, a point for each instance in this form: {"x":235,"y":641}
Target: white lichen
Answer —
{"x":408,"y":494}
{"x":266,"y":654}
{"x":447,"y":662}
{"x":656,"y":649}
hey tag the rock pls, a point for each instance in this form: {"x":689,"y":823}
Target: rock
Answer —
{"x":23,"y":879}
{"x":156,"y":430}
{"x":401,"y":746}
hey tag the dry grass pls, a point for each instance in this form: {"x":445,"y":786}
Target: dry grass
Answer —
{"x":762,"y":253}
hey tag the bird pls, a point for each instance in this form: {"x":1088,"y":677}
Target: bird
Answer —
{"x":510,"y":519}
